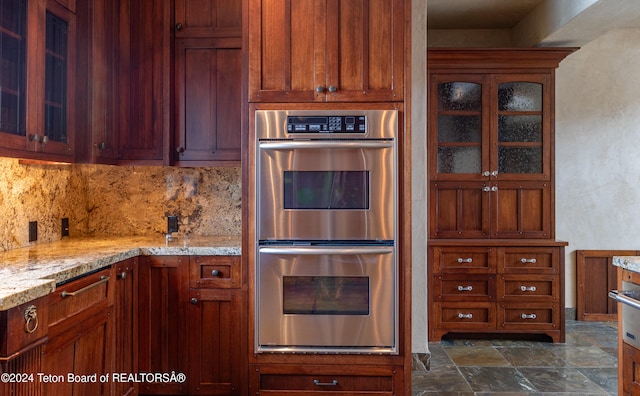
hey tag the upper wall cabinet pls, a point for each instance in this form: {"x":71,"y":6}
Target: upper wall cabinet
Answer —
{"x":208,"y":18}
{"x":37,"y":51}
{"x":326,"y":51}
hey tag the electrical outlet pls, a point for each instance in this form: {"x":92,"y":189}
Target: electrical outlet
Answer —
{"x":65,"y":227}
{"x":33,"y":231}
{"x":172,"y":224}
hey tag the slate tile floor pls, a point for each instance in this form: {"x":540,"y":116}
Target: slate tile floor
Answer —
{"x":585,"y":365}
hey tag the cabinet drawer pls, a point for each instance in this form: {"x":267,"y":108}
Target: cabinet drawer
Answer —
{"x":467,"y":315}
{"x":542,"y":288}
{"x":81,"y":297}
{"x":518,"y":316}
{"x":23,"y":326}
{"x":216,"y":272}
{"x":334,"y":380}
{"x":529,"y":260}
{"x":459,"y":287}
{"x":471,"y":260}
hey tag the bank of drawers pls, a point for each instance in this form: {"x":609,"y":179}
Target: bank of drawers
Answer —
{"x":503,"y":289}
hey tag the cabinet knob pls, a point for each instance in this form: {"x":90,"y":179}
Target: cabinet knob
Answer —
{"x":45,"y":139}
{"x":215,"y":273}
{"x":319,"y":89}
{"x":179,"y":149}
{"x":178,"y":26}
{"x":194,"y":301}
{"x":122,"y":275}
{"x":34,"y":137}
{"x":332,"y":88}
{"x":102,"y":146}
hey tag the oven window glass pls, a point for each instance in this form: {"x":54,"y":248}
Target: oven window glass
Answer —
{"x":326,"y":295}
{"x":326,"y":190}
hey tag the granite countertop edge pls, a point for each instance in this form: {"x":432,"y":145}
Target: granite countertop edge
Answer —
{"x":34,"y":271}
{"x":630,"y":263}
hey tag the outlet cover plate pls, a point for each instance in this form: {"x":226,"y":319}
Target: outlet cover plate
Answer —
{"x":33,"y":231}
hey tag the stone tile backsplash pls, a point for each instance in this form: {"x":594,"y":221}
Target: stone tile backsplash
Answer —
{"x":102,"y":200}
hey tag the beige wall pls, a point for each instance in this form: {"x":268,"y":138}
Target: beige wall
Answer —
{"x":598,"y":148}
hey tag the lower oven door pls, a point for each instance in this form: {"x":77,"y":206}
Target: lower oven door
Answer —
{"x":329,"y":299}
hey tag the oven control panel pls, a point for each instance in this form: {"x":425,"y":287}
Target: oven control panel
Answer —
{"x":327,"y":124}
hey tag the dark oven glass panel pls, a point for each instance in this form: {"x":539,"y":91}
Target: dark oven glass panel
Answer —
{"x":326,"y":295}
{"x":326,"y":190}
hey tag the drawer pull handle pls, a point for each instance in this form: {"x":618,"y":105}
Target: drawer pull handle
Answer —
{"x":215,"y":273}
{"x":30,"y":319}
{"x":332,"y":383}
{"x":103,"y":279}
{"x":465,"y":316}
{"x":465,"y":260}
{"x":526,"y":289}
{"x":465,"y":288}
{"x":530,"y":261}
{"x":528,"y":316}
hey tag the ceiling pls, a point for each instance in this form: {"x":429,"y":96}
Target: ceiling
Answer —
{"x":477,"y":14}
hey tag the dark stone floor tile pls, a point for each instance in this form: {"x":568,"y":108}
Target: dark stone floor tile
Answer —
{"x":439,"y":357}
{"x":443,"y":379}
{"x":606,"y":378}
{"x":585,"y":356}
{"x":530,"y":357}
{"x":496,"y":379}
{"x":559,"y":379}
{"x":476,"y":356}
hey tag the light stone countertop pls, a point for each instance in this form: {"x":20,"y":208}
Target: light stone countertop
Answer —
{"x":32,"y":272}
{"x":631,"y":263}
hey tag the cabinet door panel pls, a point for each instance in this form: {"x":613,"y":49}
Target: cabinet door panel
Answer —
{"x":521,"y":210}
{"x":208,"y":80}
{"x":126,"y":324}
{"x":208,"y":18}
{"x":365,"y":50}
{"x":163,"y":320}
{"x":286,"y":50}
{"x":216,"y":343}
{"x":459,"y":210}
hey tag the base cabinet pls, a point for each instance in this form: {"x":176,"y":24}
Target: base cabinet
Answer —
{"x":307,"y":380}
{"x":126,"y":325}
{"x":496,"y":288}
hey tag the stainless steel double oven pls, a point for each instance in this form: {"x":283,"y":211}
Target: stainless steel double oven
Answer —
{"x":326,"y":261}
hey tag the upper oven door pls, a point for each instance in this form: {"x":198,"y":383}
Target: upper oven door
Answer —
{"x":326,"y":190}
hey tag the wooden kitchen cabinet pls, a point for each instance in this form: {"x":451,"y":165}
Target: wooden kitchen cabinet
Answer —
{"x":38,"y":39}
{"x":208,"y":77}
{"x":504,"y":287}
{"x":80,"y":335}
{"x":325,"y":51}
{"x":126,"y":324}
{"x":163,"y":320}
{"x":492,"y":250}
{"x":217,"y":351}
{"x":208,"y":18}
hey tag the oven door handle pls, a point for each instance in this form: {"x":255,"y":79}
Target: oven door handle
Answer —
{"x":326,"y":250}
{"x":322,"y":144}
{"x":624,"y":299}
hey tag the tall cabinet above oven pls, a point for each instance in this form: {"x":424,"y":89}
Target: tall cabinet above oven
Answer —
{"x":327,"y":254}
{"x":494,"y":265}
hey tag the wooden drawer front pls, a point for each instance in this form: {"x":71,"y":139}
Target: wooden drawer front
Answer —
{"x":469,"y":315}
{"x":529,"y":260}
{"x":334,"y":380}
{"x":23,"y":326}
{"x":528,"y":316}
{"x":458,"y":287}
{"x":630,"y":369}
{"x":464,"y":260}
{"x":217,"y":272}
{"x":86,"y":296}
{"x":542,"y":288}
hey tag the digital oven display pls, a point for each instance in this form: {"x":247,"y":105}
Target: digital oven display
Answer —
{"x":328,"y":124}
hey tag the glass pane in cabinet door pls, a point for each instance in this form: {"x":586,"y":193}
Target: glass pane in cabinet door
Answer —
{"x":56,"y":79}
{"x":520,"y":96}
{"x":459,"y":96}
{"x":12,"y":66}
{"x":459,"y":159}
{"x":459,"y":128}
{"x":520,"y":159}
{"x":520,"y":128}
